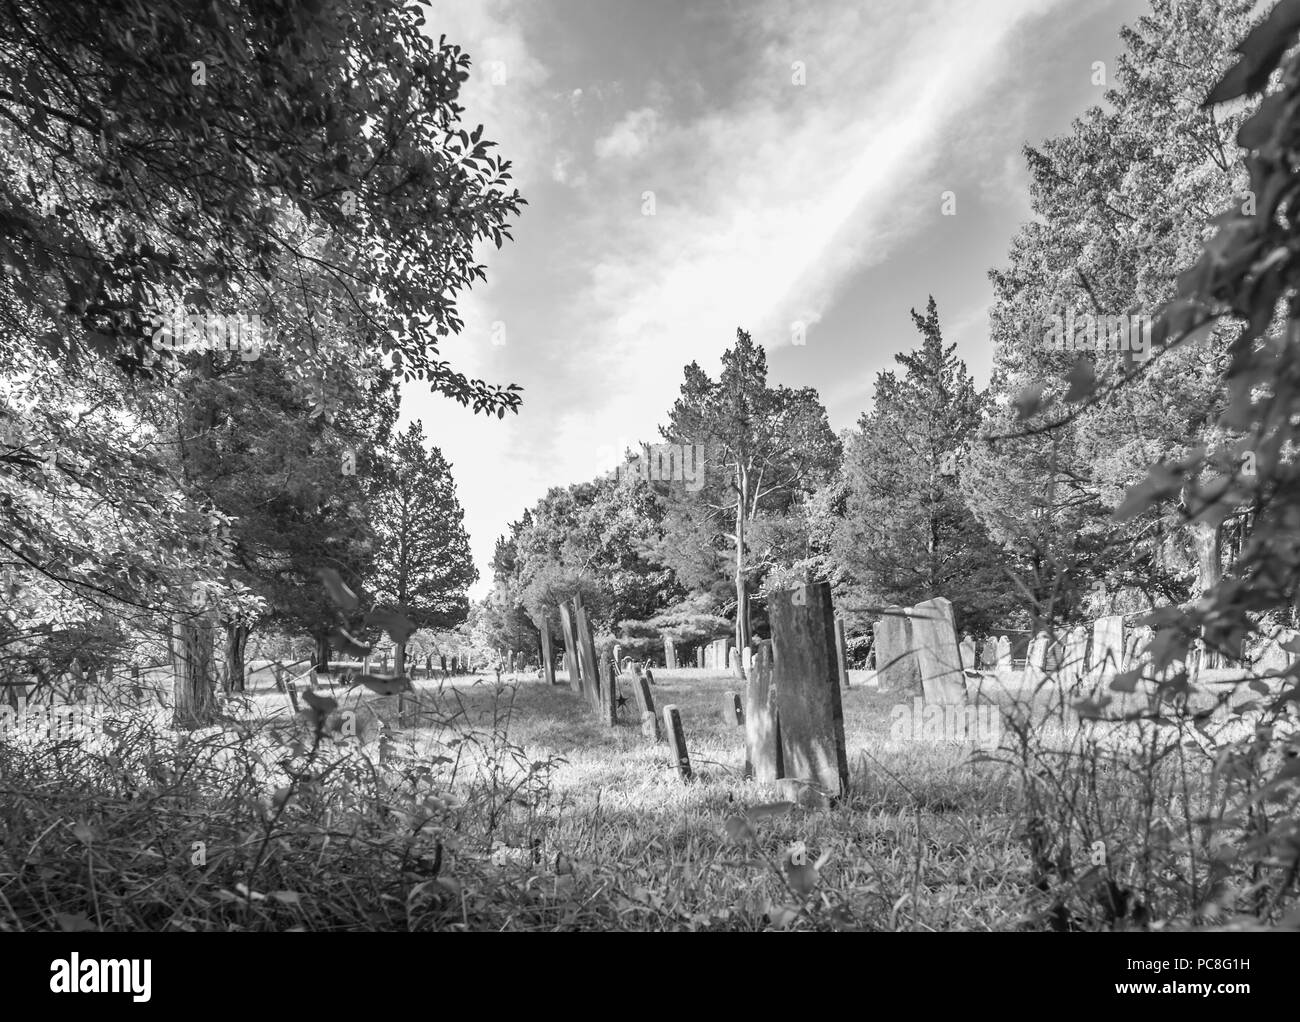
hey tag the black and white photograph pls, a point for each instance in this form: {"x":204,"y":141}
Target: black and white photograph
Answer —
{"x":669,"y":466}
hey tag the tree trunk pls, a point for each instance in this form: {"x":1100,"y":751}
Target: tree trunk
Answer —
{"x":399,"y":658}
{"x":192,"y":681}
{"x":322,"y":654}
{"x":742,"y":593}
{"x":236,"y":642}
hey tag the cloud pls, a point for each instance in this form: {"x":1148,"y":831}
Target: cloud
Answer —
{"x":630,"y":137}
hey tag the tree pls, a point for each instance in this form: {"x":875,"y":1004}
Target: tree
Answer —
{"x":763,"y":448}
{"x":906,"y":534}
{"x":423,"y":565}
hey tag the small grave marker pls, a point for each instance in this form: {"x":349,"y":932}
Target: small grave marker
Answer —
{"x":677,"y":741}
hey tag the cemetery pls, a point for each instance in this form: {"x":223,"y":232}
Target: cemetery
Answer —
{"x":896,"y":621}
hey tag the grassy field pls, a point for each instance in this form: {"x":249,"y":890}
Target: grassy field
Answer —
{"x":508,"y":806}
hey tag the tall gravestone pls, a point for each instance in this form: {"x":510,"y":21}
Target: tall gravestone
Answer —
{"x":1004,"y":653}
{"x":841,"y":653}
{"x":670,"y":654}
{"x":967,"y":649}
{"x":747,"y":661}
{"x":897,"y":668}
{"x":762,"y":731}
{"x":608,"y":704}
{"x":1108,"y":644}
{"x":570,"y":630}
{"x":1036,"y":659}
{"x":699,"y":657}
{"x":934,"y":634}
{"x":587,"y":655}
{"x":806,"y":676}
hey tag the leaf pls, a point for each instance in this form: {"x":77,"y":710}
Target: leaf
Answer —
{"x":397,"y":626}
{"x":769,"y":809}
{"x":1030,"y":400}
{"x":385,"y":686}
{"x":1082,"y":379}
{"x":347,"y":644}
{"x":338,"y":592}
{"x":323,"y":705}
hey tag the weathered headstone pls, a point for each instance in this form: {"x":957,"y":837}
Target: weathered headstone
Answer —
{"x":841,"y":653}
{"x":967,"y":650}
{"x":587,"y":654}
{"x":670,"y":654}
{"x":1074,"y":661}
{"x":677,"y":742}
{"x":762,"y":730}
{"x":608,"y":705}
{"x":1108,"y":644}
{"x":733,"y":709}
{"x":570,"y":647}
{"x":548,"y":660}
{"x":699,"y":657}
{"x":1004,"y":653}
{"x":934,"y":635}
{"x":645,"y":702}
{"x":989,"y":655}
{"x":1036,"y":659}
{"x":806,"y":676}
{"x":897,"y":668}
{"x":650,"y":725}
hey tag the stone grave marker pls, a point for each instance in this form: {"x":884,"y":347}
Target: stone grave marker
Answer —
{"x":570,"y":647}
{"x":677,"y":742}
{"x":733,"y":709}
{"x":587,"y":655}
{"x":841,"y":653}
{"x":1004,"y":653}
{"x":989,"y":655}
{"x":967,"y":650}
{"x":608,"y":705}
{"x":670,"y":654}
{"x":762,"y":732}
{"x":645,"y":702}
{"x":1108,"y":644}
{"x":935,"y":637}
{"x":809,"y":715}
{"x":897,"y":668}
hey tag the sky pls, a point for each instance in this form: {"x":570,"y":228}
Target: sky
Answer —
{"x":809,"y":172}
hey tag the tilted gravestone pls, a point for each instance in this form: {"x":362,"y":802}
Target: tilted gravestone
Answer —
{"x":587,"y":655}
{"x":1108,"y":644}
{"x":677,"y":742}
{"x":570,"y":647}
{"x":548,"y":664}
{"x":733,"y":710}
{"x":1004,"y":653}
{"x":762,"y":731}
{"x":967,"y":650}
{"x":897,"y":668}
{"x":809,"y":714}
{"x":645,"y":702}
{"x":841,"y":654}
{"x":934,"y":635}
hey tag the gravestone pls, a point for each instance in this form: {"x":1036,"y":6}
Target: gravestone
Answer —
{"x":1108,"y":644}
{"x":841,"y":656}
{"x":548,"y":662}
{"x":677,"y":742}
{"x":748,"y":660}
{"x":733,"y":656}
{"x":699,"y":657}
{"x":1074,"y":659}
{"x":570,"y":647}
{"x":587,"y":655}
{"x":762,"y":731}
{"x":934,"y":636}
{"x":608,"y":705}
{"x":733,"y":710}
{"x":1036,"y":659}
{"x":967,"y":650}
{"x":810,"y":717}
{"x":645,"y":702}
{"x":897,"y":669}
{"x":989,"y":655}
{"x":618,"y":654}
{"x":1004,"y":653}
{"x":670,"y":654}
{"x":650,"y":726}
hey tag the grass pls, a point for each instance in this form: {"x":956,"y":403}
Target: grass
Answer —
{"x":511,"y":807}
